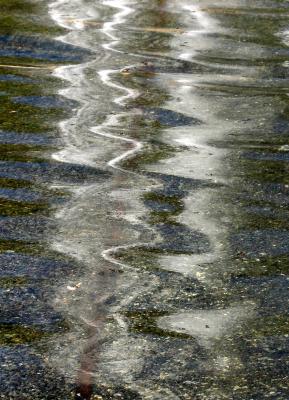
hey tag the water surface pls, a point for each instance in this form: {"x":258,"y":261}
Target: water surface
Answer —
{"x":144,"y":199}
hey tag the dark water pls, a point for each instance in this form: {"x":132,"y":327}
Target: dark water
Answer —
{"x":144,"y":187}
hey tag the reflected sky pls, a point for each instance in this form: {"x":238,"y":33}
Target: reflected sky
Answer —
{"x":144,"y":194}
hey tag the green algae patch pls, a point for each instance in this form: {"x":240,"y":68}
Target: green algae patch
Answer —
{"x":22,"y":247}
{"x":15,"y":183}
{"x":17,"y":6}
{"x":17,"y":208}
{"x":19,"y":88}
{"x":17,"y":16}
{"x":145,"y":322}
{"x":155,"y":153}
{"x":16,"y":334}
{"x":274,"y":217}
{"x":142,"y":257}
{"x":263,"y":266}
{"x":173,"y":204}
{"x":266,"y":171}
{"x":277,"y":325}
{"x":21,"y":152}
{"x":24,"y":118}
{"x":138,"y":257}
{"x":8,"y":283}
{"x":9,"y":22}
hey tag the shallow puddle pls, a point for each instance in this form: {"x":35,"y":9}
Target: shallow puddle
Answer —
{"x":144,"y":200}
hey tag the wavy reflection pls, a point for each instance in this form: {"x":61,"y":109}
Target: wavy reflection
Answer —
{"x":162,"y":194}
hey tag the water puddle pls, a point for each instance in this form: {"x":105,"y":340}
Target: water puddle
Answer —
{"x":143,"y":200}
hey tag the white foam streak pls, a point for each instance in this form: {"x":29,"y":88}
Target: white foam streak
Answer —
{"x":118,"y":18}
{"x":74,"y":151}
{"x":105,"y":76}
{"x":114,"y":163}
{"x":80,"y":237}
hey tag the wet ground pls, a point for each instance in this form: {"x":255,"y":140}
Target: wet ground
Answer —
{"x":144,"y":200}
